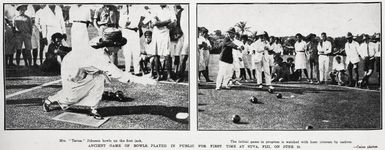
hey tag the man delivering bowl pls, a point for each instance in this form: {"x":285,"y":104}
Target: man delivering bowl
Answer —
{"x":84,"y":73}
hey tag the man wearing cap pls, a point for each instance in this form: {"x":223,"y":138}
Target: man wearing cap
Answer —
{"x":300,"y":57}
{"x":226,"y":60}
{"x":23,"y":33}
{"x":262,"y":63}
{"x":352,"y":58}
{"x":367,"y":51}
{"x":324,"y":49}
{"x":83,"y":81}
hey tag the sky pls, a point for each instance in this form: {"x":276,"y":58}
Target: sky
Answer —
{"x":289,"y":19}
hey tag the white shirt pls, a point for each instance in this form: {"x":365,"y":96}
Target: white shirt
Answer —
{"x":378,"y":49}
{"x":30,"y":12}
{"x":365,"y":47}
{"x":9,"y":12}
{"x":277,"y":48}
{"x":89,"y":61}
{"x":201,"y":39}
{"x":50,"y":22}
{"x":338,"y":66}
{"x":351,"y":50}
{"x":135,"y":12}
{"x":300,"y":46}
{"x":258,"y":47}
{"x":326,"y":47}
{"x":164,"y":15}
{"x":81,"y":13}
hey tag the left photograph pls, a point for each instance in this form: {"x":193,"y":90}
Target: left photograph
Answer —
{"x":96,"y":66}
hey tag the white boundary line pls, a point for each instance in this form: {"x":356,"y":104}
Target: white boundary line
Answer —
{"x":31,"y":89}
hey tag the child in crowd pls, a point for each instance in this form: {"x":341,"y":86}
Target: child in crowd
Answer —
{"x":280,"y":71}
{"x":144,"y":58}
{"x":55,"y":54}
{"x":338,"y":74}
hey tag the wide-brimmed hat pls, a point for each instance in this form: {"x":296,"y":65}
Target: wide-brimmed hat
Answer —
{"x":231,"y":30}
{"x":349,"y":35}
{"x":111,"y":37}
{"x":20,"y":5}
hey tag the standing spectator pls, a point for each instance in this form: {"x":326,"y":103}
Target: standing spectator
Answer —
{"x":176,"y":37}
{"x":80,"y":17}
{"x":9,"y":36}
{"x":377,"y":56}
{"x":163,"y":17}
{"x":226,"y":60}
{"x":9,"y":44}
{"x":237,"y":57}
{"x":129,"y":20}
{"x":35,"y":41}
{"x":107,"y":16}
{"x":38,"y":22}
{"x":263,"y":63}
{"x":278,"y":49}
{"x":324,"y":49}
{"x":367,"y":51}
{"x":204,"y":48}
{"x":184,"y":23}
{"x":23,"y":33}
{"x":246,"y":56}
{"x":312,"y":54}
{"x":352,"y":58}
{"x":51,"y":21}
{"x":300,"y":57}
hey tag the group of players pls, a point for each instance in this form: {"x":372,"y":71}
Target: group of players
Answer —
{"x":154,"y":33}
{"x":261,"y":57}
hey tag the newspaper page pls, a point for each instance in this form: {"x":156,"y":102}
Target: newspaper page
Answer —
{"x":192,"y":75}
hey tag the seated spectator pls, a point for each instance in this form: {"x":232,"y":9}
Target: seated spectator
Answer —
{"x":338,"y":74}
{"x":55,"y":54}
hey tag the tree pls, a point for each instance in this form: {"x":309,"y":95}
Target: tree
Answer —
{"x":242,"y":27}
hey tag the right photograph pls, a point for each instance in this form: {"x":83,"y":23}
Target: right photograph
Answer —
{"x":289,"y":66}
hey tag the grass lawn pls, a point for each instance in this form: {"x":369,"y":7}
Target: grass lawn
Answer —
{"x":324,"y":107}
{"x":150,"y":107}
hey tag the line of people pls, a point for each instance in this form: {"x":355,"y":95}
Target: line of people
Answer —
{"x":156,"y":35}
{"x":261,"y":58}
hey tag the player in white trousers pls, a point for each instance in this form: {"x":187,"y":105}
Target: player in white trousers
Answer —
{"x":324,"y":49}
{"x":129,"y":19}
{"x":84,"y":73}
{"x":263,"y":65}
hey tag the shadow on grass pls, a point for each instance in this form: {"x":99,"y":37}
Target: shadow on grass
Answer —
{"x":21,"y":86}
{"x":242,"y":123}
{"x":9,"y":73}
{"x":167,"y":111}
{"x":16,"y":79}
{"x":28,"y":86}
{"x":24,"y":102}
